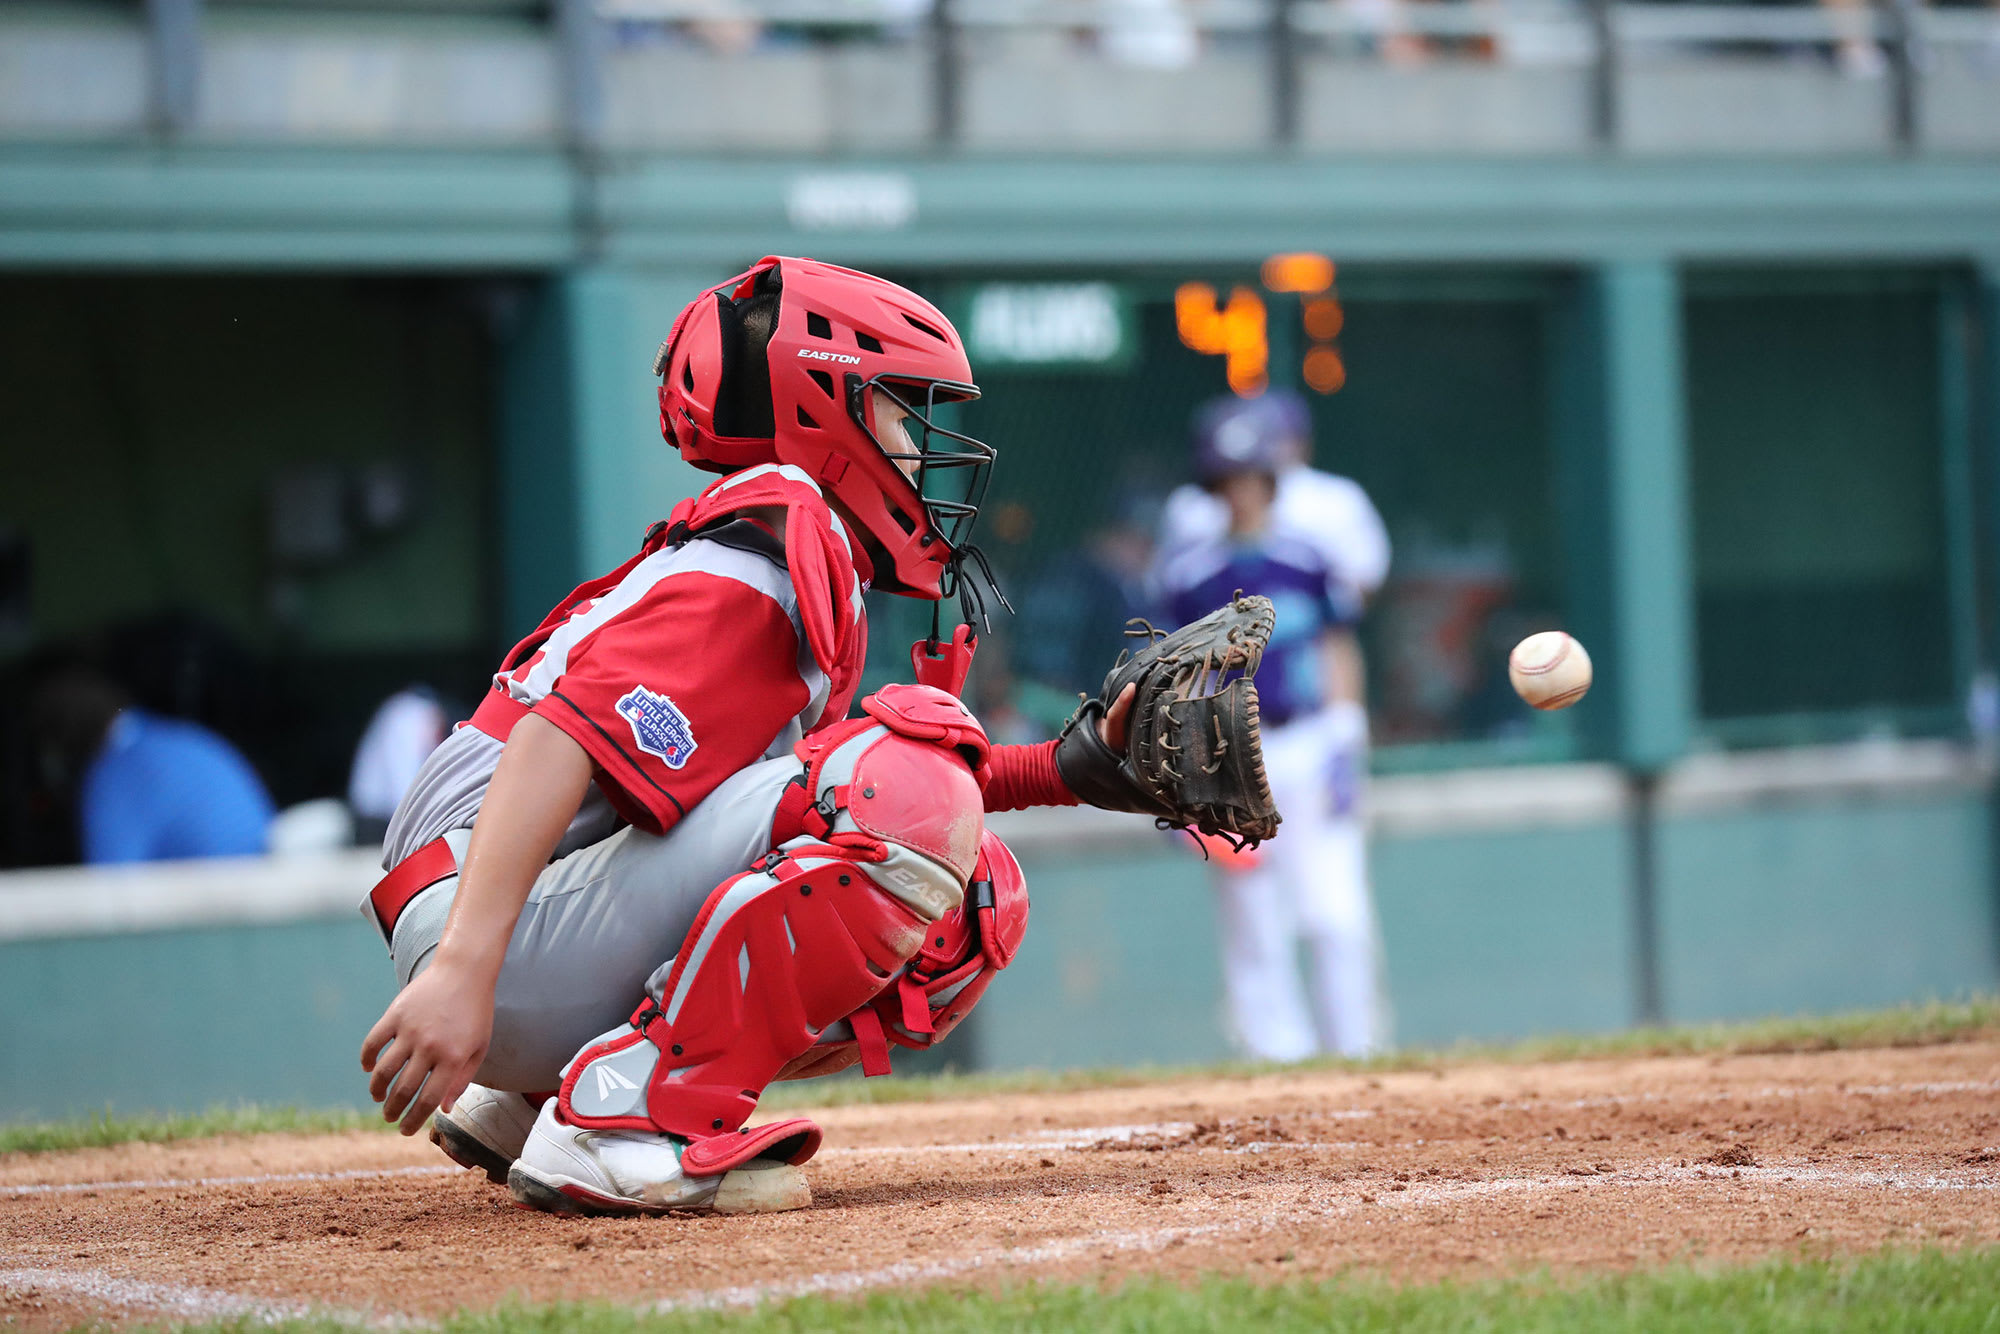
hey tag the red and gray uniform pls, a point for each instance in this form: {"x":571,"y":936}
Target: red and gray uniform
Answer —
{"x":686,"y":664}
{"x":709,"y":679}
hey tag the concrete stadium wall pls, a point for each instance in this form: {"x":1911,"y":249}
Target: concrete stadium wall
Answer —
{"x":1791,"y":881}
{"x":186,"y":985}
{"x":271,"y":1013}
{"x":1785,"y":884}
{"x":1486,"y":935}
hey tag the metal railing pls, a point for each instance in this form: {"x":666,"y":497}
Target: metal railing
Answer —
{"x":1196,"y":75}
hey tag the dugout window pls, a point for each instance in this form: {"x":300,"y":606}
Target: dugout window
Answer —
{"x":1822,"y":562}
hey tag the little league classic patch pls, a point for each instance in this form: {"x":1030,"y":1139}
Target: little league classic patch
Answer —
{"x":658,"y":726}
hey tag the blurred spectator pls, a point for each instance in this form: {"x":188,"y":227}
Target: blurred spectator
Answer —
{"x":145,"y":787}
{"x":727,"y":28}
{"x":1149,"y":34}
{"x":185,"y":664}
{"x":1073,"y":614}
{"x":723,"y":27}
{"x":1860,"y":56}
{"x":404,"y":731}
{"x":1388,"y":33}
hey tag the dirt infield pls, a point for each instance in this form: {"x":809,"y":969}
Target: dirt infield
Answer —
{"x":1471,"y":1171}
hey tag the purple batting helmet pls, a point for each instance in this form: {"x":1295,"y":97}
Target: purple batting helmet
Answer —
{"x":1233,"y":435}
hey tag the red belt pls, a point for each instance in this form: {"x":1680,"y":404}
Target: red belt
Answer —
{"x":413,"y":875}
{"x":495,"y":716}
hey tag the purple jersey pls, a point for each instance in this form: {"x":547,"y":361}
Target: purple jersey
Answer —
{"x":1295,"y":576}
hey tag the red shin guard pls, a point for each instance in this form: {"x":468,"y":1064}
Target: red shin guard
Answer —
{"x":875,"y":849}
{"x":776,"y":955}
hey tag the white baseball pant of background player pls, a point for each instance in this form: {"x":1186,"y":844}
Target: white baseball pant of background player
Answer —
{"x":1310,"y":883}
{"x":1313,"y":878}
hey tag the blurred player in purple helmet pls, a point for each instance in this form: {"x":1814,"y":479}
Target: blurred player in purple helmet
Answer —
{"x":1260,"y":521}
{"x":1333,"y":513}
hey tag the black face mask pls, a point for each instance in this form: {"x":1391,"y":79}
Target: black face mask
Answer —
{"x":952,"y":473}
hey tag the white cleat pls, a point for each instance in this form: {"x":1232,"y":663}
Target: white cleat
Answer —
{"x":567,"y":1169}
{"x":484,"y":1130}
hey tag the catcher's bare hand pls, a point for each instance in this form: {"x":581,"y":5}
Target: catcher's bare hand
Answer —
{"x":428,"y":1044}
{"x":1116,"y":721}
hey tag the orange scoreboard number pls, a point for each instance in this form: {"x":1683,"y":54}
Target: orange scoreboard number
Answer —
{"x":1233,"y":330}
{"x":1238,"y":329}
{"x":1311,"y":277}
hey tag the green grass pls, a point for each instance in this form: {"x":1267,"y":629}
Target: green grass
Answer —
{"x":1905,"y":1026}
{"x":1936,"y":1292}
{"x":103,"y":1129}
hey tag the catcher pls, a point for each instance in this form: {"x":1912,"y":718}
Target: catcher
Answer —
{"x":662,"y":867}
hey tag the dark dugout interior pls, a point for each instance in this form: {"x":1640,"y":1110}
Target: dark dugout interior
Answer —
{"x":260,"y":502}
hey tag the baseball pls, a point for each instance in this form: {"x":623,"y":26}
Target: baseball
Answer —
{"x":1549,"y":670}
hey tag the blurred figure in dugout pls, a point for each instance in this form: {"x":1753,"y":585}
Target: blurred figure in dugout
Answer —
{"x":1262,"y":520}
{"x":405,"y":729}
{"x":145,"y":787}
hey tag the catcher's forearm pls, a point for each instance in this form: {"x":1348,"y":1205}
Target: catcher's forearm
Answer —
{"x":1023,"y":776}
{"x":537,"y":786}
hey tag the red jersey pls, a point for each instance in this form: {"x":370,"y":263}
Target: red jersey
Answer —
{"x":717,"y":645}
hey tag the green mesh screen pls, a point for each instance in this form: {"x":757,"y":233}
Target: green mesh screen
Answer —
{"x":1819,"y":538}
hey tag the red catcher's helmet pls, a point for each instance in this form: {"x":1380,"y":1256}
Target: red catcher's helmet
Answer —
{"x":840,"y":374}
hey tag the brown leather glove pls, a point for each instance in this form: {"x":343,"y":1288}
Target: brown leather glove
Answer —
{"x":1192,"y":753}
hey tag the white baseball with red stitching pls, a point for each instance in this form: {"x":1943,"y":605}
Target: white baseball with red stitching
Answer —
{"x":1549,"y":670}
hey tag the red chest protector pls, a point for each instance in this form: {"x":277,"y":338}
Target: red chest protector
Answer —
{"x":828,"y":572}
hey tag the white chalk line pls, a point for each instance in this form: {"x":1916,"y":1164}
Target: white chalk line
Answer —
{"x":1081,"y":1137}
{"x":1811,"y":1175}
{"x":1023,"y":1148}
{"x":193,"y":1183}
{"x":1316,"y":1206}
{"x":843,"y":1283}
{"x":1087,"y":1137}
{"x":1749,"y":1095}
{"x":1093,"y":1137}
{"x":1084,"y":1137}
{"x":167,"y":1298}
{"x":178,"y":1300}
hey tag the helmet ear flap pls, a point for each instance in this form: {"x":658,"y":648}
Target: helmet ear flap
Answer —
{"x":743,"y":399}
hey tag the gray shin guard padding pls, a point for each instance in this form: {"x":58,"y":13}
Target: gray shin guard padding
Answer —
{"x":615,"y":1084}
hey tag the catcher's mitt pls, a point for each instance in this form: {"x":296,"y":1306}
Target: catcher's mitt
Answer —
{"x":1193,"y":756}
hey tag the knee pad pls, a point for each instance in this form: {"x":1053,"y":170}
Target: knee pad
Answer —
{"x":907,"y":776}
{"x":937,"y":989}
